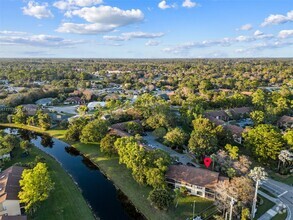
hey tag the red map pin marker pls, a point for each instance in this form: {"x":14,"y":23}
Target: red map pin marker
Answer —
{"x":207,"y":161}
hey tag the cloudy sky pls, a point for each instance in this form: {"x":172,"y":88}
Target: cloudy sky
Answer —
{"x":146,"y":28}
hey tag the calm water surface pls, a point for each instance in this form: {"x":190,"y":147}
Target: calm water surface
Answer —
{"x":107,"y":202}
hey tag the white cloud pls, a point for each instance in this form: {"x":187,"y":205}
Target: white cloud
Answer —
{"x":152,"y":43}
{"x":224,"y":42}
{"x":37,"y":40}
{"x":73,"y":4}
{"x":188,"y":4}
{"x":258,"y":33}
{"x":264,"y":46}
{"x":37,"y":10}
{"x":102,"y":19}
{"x":132,"y":35}
{"x":5,"y":32}
{"x":109,"y":15}
{"x":245,"y":27}
{"x":84,"y":28}
{"x":163,"y":5}
{"x":278,"y":19}
{"x":285,"y":34}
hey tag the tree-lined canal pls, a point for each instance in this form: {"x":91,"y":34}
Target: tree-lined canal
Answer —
{"x":105,"y":200}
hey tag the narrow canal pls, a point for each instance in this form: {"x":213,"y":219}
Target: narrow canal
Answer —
{"x":106,"y":201}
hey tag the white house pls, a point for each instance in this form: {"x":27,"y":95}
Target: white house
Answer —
{"x":92,"y":105}
{"x":9,"y":189}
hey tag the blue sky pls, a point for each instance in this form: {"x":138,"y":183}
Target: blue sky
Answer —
{"x":146,"y":28}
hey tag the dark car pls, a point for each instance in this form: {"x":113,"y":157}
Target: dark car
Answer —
{"x":190,"y":164}
{"x":177,"y":163}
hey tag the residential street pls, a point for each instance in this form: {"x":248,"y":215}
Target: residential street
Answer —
{"x":151,"y":139}
{"x":284,"y":193}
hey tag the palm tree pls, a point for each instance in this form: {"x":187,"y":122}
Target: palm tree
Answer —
{"x":258,"y":174}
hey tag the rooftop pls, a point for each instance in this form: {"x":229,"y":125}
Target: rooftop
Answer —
{"x":193,"y":175}
{"x":9,"y":183}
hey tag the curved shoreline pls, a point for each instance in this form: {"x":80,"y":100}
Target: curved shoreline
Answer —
{"x":37,"y":130}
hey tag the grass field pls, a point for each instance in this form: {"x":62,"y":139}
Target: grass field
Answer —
{"x":122,"y":178}
{"x":263,"y":208}
{"x":66,"y":201}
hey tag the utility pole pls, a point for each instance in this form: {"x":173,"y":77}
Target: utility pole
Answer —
{"x":233,"y":200}
{"x":231,"y":207}
{"x":253,"y":210}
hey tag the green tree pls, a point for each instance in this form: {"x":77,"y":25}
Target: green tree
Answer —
{"x":19,"y":116}
{"x":107,"y":144}
{"x":8,"y":142}
{"x":44,"y":120}
{"x":203,"y":139}
{"x":161,"y":198}
{"x":265,"y":141}
{"x":82,"y":109}
{"x":36,"y":185}
{"x":288,"y":137}
{"x":257,"y":117}
{"x":245,"y":214}
{"x":134,"y":127}
{"x":259,"y":99}
{"x":175,"y":138}
{"x":26,"y":145}
{"x":233,"y":151}
{"x":94,"y":131}
{"x":160,"y":132}
{"x":74,"y":129}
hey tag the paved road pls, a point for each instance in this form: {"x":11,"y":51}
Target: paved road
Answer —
{"x":284,"y":193}
{"x":151,"y":140}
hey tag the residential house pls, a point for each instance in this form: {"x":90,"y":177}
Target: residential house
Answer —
{"x":236,"y":132}
{"x":220,"y":114}
{"x":285,"y":122}
{"x":44,"y":102}
{"x":30,"y":109}
{"x":93,"y":105}
{"x":9,"y":189}
{"x":239,"y":113}
{"x":198,"y":181}
{"x":74,"y":100}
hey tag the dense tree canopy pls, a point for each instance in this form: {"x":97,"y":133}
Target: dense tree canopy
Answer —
{"x":36,"y":185}
{"x":265,"y":141}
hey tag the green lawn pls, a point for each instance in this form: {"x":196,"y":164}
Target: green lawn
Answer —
{"x":66,"y":201}
{"x":263,"y":208}
{"x":122,"y":178}
{"x":268,"y":193}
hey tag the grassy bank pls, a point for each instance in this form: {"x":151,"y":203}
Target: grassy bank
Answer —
{"x":66,"y":200}
{"x":122,"y":178}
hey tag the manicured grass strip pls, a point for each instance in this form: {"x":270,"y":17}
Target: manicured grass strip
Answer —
{"x":66,"y":201}
{"x":263,"y":208}
{"x":268,"y":192}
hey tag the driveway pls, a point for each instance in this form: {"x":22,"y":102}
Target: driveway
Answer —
{"x":151,"y":140}
{"x":284,"y":193}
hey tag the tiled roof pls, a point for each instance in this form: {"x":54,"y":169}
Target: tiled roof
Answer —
{"x":9,"y":183}
{"x":193,"y":175}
